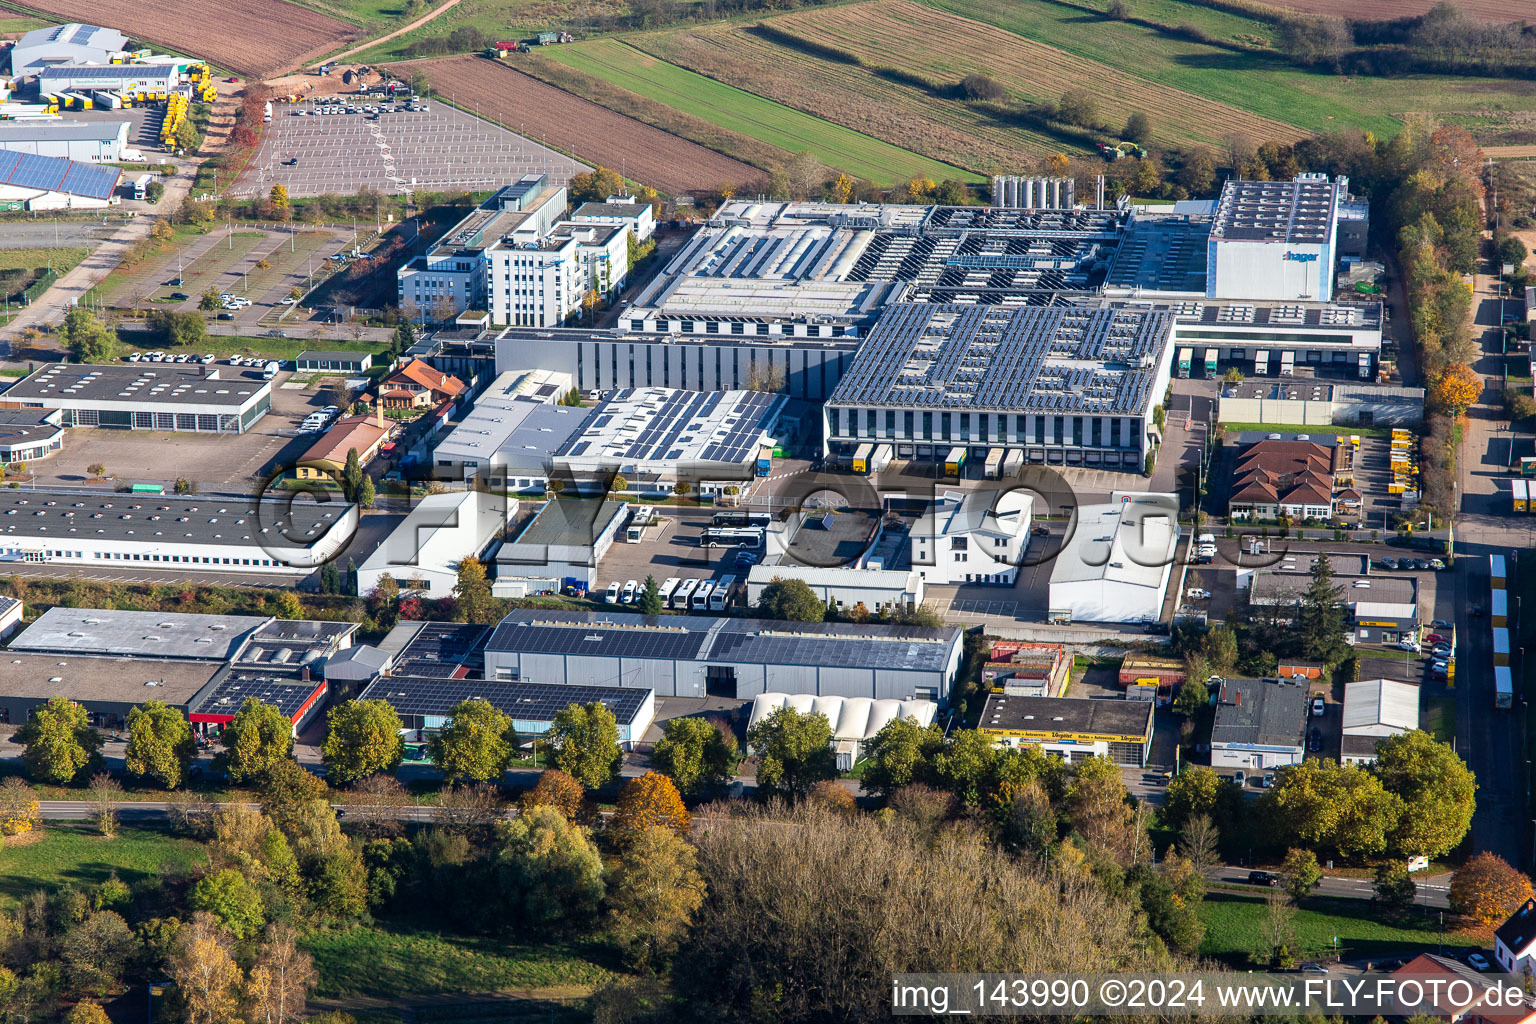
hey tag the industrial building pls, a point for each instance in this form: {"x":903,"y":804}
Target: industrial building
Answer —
{"x":188,"y":397}
{"x":972,"y":537}
{"x":1020,"y":669}
{"x":1116,"y":560}
{"x":27,"y":435}
{"x":292,"y":645}
{"x":844,"y":586}
{"x":216,"y":533}
{"x":1375,"y":709}
{"x":714,"y":360}
{"x":73,"y":43}
{"x":30,"y":182}
{"x":333,"y":362}
{"x":1061,"y":385}
{"x":10,"y":616}
{"x":564,"y":540}
{"x":1316,"y":402}
{"x":516,"y":421}
{"x":656,"y":437}
{"x":87,"y":142}
{"x":151,"y":79}
{"x":1383,"y":608}
{"x":106,"y":687}
{"x":1071,"y":728}
{"x":424,"y":703}
{"x":1275,"y":239}
{"x":298,"y":698}
{"x":172,"y":636}
{"x":423,"y":553}
{"x":854,"y":720}
{"x":698,"y":656}
{"x":1259,"y":724}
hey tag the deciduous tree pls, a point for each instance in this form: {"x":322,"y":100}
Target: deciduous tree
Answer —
{"x":95,"y":952}
{"x":160,"y":743}
{"x":647,"y":801}
{"x":1455,"y":388}
{"x":585,"y":738}
{"x":1394,"y":885}
{"x":558,"y":790}
{"x":256,"y":739}
{"x":791,"y":600}
{"x":59,"y":742}
{"x":695,"y":753}
{"x":279,"y":982}
{"x":550,"y":873}
{"x":654,"y":894}
{"x":900,"y":754}
{"x":1340,"y":807}
{"x":363,"y":738}
{"x":1437,"y":790}
{"x":472,"y":595}
{"x":234,"y":901}
{"x":1302,"y":873}
{"x":477,"y":743}
{"x":794,"y":752}
{"x":205,"y":972}
{"x":84,"y":1013}
{"x":1487,"y":889}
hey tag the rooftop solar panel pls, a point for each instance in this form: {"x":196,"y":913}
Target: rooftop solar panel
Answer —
{"x":56,"y":174}
{"x":528,"y":702}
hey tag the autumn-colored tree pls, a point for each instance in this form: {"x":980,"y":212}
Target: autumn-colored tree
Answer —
{"x":204,"y":971}
{"x":1057,"y":164}
{"x":280,"y":980}
{"x":1455,"y":388}
{"x":655,"y":893}
{"x":1487,"y":889}
{"x":558,"y":790}
{"x":833,"y":795}
{"x":59,"y":741}
{"x":842,"y":189}
{"x":279,"y":197}
{"x":651,"y":799}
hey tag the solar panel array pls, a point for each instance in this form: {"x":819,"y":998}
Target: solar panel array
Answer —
{"x":441,"y":648}
{"x":596,"y":639}
{"x":529,"y":702}
{"x":56,"y":174}
{"x":286,"y":693}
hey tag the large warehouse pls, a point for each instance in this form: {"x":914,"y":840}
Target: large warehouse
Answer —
{"x":213,"y":532}
{"x":1071,"y":728}
{"x":423,"y":552}
{"x":30,"y":182}
{"x":94,"y":142}
{"x":1275,"y":239}
{"x":146,"y":396}
{"x":1117,"y":559}
{"x":424,"y":702}
{"x":64,"y":44}
{"x":135,"y":78}
{"x":698,"y":656}
{"x":1061,"y":385}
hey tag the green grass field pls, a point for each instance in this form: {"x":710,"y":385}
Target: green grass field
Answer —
{"x":1264,"y":85}
{"x":395,"y":962}
{"x":1439,"y":719}
{"x":287,"y":349}
{"x":792,"y":130}
{"x":82,"y":858}
{"x":1235,"y":923}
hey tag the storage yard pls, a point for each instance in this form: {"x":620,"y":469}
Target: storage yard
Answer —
{"x":252,"y":37}
{"x":594,"y":133}
{"x":436,"y":149}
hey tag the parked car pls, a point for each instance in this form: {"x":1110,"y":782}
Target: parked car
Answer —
{"x":1387,"y":563}
{"x":1039,"y":531}
{"x":1441,"y":651}
{"x":1261,"y":878}
{"x":226,"y":316}
{"x":1442,"y":624}
{"x":1408,"y":643}
{"x":180,"y":296}
{"x":1477,"y":962}
{"x":612,"y":597}
{"x":1198,"y":593}
{"x":1436,"y":564}
{"x":1240,"y":777}
{"x":1436,"y":638}
{"x":1312,"y":968}
{"x":1315,"y":739}
{"x":135,"y":357}
{"x":1268,"y":781}
{"x":1319,"y":706}
{"x":1421,"y":564}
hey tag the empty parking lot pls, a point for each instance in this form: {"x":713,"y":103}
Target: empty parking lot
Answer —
{"x":437,"y":149}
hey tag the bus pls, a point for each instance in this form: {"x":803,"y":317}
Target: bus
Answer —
{"x":667,"y":589}
{"x":1186,"y":356}
{"x":954,"y":462}
{"x":755,"y":520}
{"x":721,"y":594}
{"x":683,"y":592}
{"x":1210,"y":362}
{"x":700,"y":600}
{"x":748,"y":537}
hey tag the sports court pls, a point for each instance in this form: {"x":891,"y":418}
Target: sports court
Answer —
{"x":437,"y":149}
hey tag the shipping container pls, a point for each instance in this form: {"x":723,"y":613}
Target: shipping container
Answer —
{"x":994,"y":464}
{"x":1500,"y":645}
{"x":880,"y":461}
{"x":1503,"y":687}
{"x":1013,"y":462}
{"x":1496,"y":573}
{"x":1528,"y":465}
{"x":1498,"y":608}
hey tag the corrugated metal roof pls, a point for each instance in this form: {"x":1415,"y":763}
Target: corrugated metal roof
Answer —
{"x":61,"y":131}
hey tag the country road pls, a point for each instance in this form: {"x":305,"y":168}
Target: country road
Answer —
{"x":1433,"y":890}
{"x":371,"y":43}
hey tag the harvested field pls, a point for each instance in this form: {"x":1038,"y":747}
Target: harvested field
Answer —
{"x":690,"y":97}
{"x":1510,"y":152}
{"x":889,"y":68}
{"x":593,"y":133}
{"x":1385,"y":10}
{"x":254,"y":37}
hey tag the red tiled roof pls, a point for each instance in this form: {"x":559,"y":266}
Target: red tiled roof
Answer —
{"x":419,"y":373}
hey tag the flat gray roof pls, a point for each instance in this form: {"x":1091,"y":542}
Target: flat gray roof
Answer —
{"x":565,"y":521}
{"x":609,"y":210}
{"x":1128,"y":719}
{"x":171,"y":384}
{"x":1380,"y":588}
{"x":336,"y":356}
{"x":1261,"y":712}
{"x":79,"y":516}
{"x":1283,"y":212}
{"x":1163,"y":254}
{"x":89,"y":678}
{"x":56,"y":131}
{"x":155,"y":634}
{"x":1025,"y":359}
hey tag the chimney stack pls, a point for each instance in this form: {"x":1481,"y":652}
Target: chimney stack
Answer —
{"x":304,"y":673}
{"x":378,"y":407}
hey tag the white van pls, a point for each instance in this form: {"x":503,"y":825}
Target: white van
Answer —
{"x":612,"y":596}
{"x":630,"y":586}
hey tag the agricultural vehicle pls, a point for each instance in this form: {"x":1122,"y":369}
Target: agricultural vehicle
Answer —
{"x":1121,"y":149}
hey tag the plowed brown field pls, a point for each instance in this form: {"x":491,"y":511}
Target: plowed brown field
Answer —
{"x":254,"y":37}
{"x":594,"y":134}
{"x":1384,"y":10}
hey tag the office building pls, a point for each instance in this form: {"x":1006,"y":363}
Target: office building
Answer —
{"x":28,"y":435}
{"x":1259,"y":724}
{"x":1275,"y":239}
{"x":423,"y":553}
{"x":1071,"y":728}
{"x":73,"y":43}
{"x":972,"y":537}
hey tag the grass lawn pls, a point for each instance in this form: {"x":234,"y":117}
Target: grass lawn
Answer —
{"x":283,"y":349}
{"x":1439,"y":718}
{"x":83,"y":858}
{"x":32,"y":259}
{"x":1235,"y":923}
{"x":862,"y":156}
{"x":1299,"y":428}
{"x":397,"y":961}
{"x":1252,"y":81}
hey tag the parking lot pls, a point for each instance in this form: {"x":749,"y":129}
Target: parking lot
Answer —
{"x":439,"y":148}
{"x":144,"y":130}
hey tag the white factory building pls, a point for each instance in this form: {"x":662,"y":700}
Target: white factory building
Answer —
{"x":698,"y":656}
{"x":206,"y":533}
{"x":1275,"y":239}
{"x":189,"y":397}
{"x":478,"y":445}
{"x":972,"y":537}
{"x":564,"y":540}
{"x":1375,"y":709}
{"x":423,"y":553}
{"x":619,"y":211}
{"x":60,"y":79}
{"x":30,"y":182}
{"x":844,"y":586}
{"x":92,"y":142}
{"x":73,"y":43}
{"x":1117,"y":559}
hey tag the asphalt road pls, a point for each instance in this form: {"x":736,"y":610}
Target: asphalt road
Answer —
{"x":1432,"y":890}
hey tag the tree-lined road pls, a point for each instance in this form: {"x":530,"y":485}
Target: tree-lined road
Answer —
{"x":1433,"y":890}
